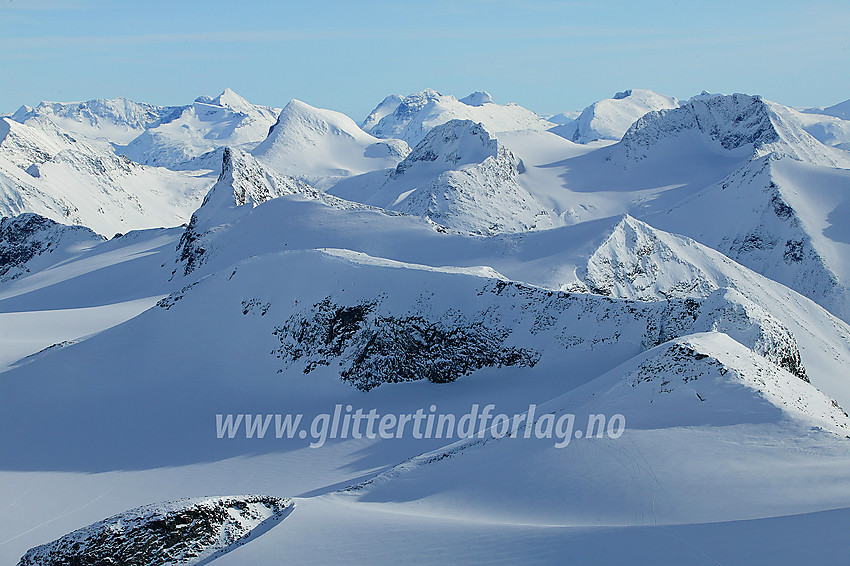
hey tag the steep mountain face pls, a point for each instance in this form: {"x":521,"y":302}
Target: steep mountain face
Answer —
{"x":638,"y":261}
{"x":47,"y":171}
{"x":610,"y":118}
{"x":193,"y":130}
{"x":117,"y":120}
{"x":780,"y":218}
{"x":734,"y":122}
{"x":418,"y":113}
{"x":242,"y":184}
{"x":387,"y":106}
{"x":26,"y":241}
{"x":374,"y":346}
{"x":187,"y":531}
{"x":320,"y":145}
{"x":459,"y":176}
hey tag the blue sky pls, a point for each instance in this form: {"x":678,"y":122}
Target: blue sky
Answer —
{"x":547,"y":55}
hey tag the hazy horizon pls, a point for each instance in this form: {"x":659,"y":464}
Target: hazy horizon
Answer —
{"x":548,"y":56}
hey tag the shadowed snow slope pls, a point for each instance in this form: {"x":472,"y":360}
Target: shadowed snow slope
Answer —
{"x":782,"y":218}
{"x":700,"y":394}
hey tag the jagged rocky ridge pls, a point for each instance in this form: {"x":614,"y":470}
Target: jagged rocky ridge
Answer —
{"x":441,"y":333}
{"x":186,"y":531}
{"x":243,"y":183}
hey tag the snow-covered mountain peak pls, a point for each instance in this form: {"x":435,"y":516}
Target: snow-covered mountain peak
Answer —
{"x":387,"y":106}
{"x":478,"y":98}
{"x":461,"y":177}
{"x":610,"y":118}
{"x":320,"y":144}
{"x":300,"y":117}
{"x":450,"y":145}
{"x":243,"y":182}
{"x":227,"y":99}
{"x":732,"y":122}
{"x":412,"y":103}
{"x":191,"y":131}
{"x":418,"y":113}
{"x":230,"y":99}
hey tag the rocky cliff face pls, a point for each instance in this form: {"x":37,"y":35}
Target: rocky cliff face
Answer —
{"x":732,"y":122}
{"x":460,"y":176}
{"x":187,"y":531}
{"x":26,"y":238}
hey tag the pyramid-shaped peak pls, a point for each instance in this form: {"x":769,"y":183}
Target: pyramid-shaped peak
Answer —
{"x":478,"y":98}
{"x":229,"y":99}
